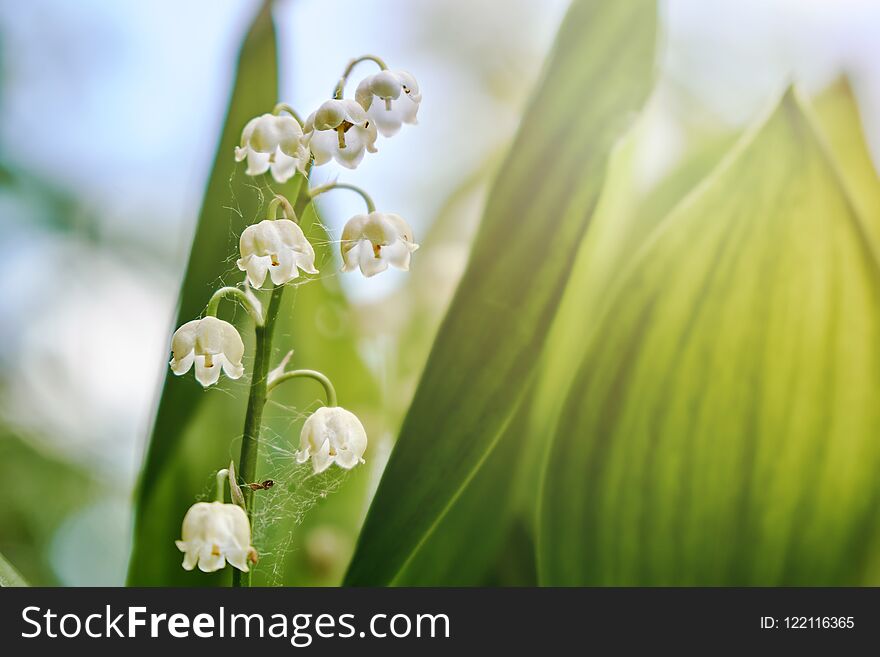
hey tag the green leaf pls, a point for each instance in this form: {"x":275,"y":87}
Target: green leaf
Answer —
{"x":722,"y":427}
{"x":838,"y":114}
{"x":598,"y":77}
{"x":31,"y":474}
{"x":471,"y":540}
{"x":177,"y":444}
{"x":626,"y":214}
{"x":9,"y":576}
{"x":625,"y":219}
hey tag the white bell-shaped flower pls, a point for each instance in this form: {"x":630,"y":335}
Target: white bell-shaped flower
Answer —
{"x":391,"y":99}
{"x":376,"y":240}
{"x":340,"y":130}
{"x":332,"y":435}
{"x":215,"y":534}
{"x":273,"y":142}
{"x":278,"y":247}
{"x":212,"y":345}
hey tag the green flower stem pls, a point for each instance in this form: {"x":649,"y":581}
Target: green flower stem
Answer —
{"x":329,"y":390}
{"x":337,"y":92}
{"x":250,"y":440}
{"x":239,"y":296}
{"x":222,"y":477}
{"x":284,"y":107}
{"x":317,"y":191}
{"x":280,"y":201}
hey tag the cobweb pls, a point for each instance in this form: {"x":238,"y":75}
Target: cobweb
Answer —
{"x":264,"y":193}
{"x":279,"y":511}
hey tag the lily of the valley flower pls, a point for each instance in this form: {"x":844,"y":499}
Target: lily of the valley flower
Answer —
{"x":340,"y":130}
{"x":273,"y":142}
{"x":212,"y":345}
{"x":213,"y":534}
{"x":276,"y":246}
{"x":332,"y":435}
{"x":376,"y":240}
{"x":391,"y":98}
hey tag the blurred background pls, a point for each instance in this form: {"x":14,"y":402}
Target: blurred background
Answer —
{"x":109,"y":117}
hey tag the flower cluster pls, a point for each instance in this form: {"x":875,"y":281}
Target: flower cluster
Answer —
{"x":341,"y":129}
{"x":274,"y":252}
{"x":277,"y":249}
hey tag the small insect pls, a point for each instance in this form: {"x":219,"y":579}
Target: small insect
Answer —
{"x":264,"y":485}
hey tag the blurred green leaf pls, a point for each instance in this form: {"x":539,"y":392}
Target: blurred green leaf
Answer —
{"x":627,"y":216}
{"x":198,"y":431}
{"x":30,"y":475}
{"x":628,"y":210}
{"x":597,"y":79}
{"x":838,"y":114}
{"x":472,"y":540}
{"x":179,"y":443}
{"x":9,"y":576}
{"x":722,"y":427}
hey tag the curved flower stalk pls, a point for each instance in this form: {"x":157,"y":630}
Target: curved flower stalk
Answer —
{"x":391,"y":99}
{"x":271,"y":142}
{"x":214,"y":534}
{"x":211,"y":344}
{"x":340,"y":130}
{"x":277,"y":247}
{"x":329,"y":435}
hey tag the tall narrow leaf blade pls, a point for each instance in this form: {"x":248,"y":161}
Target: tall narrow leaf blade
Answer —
{"x":838,"y":114}
{"x":178,"y":445}
{"x":629,"y":212}
{"x":469,"y":542}
{"x":625,"y":219}
{"x":722,"y":429}
{"x":598,"y":77}
{"x":473,"y":542}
